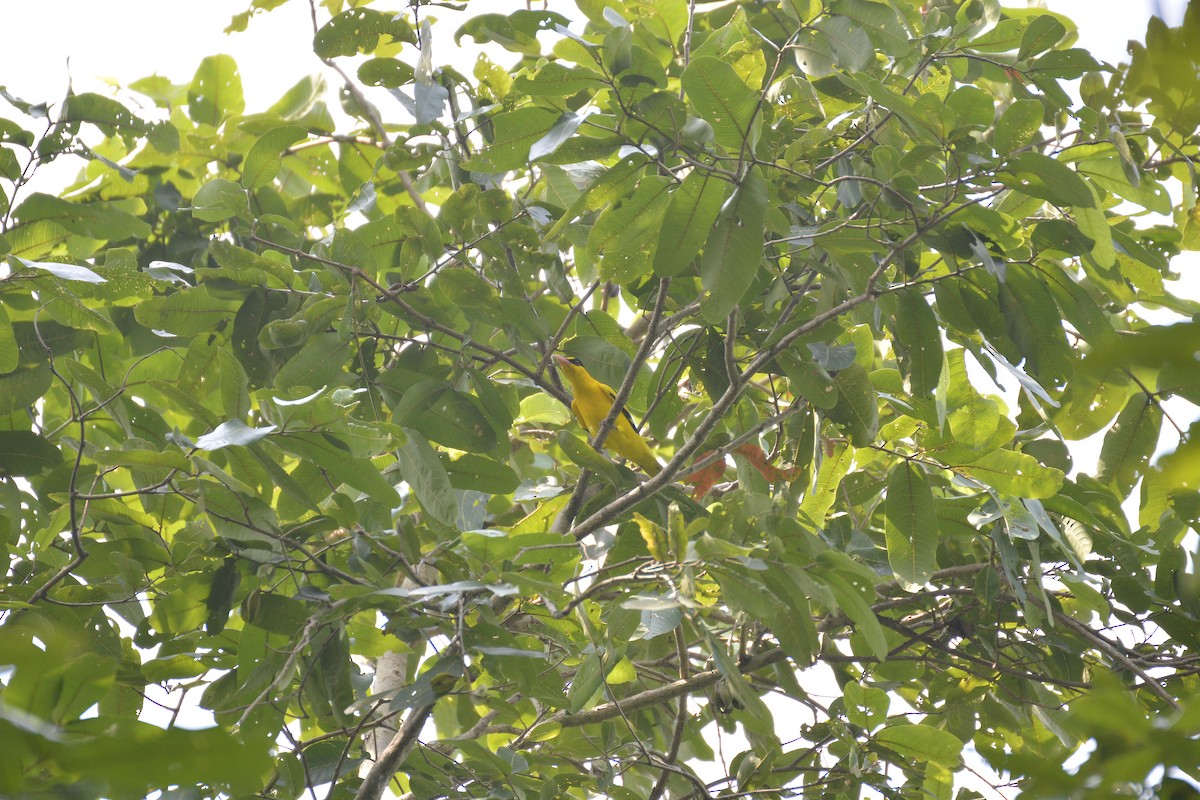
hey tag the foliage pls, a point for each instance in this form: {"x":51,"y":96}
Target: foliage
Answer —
{"x":280,"y":431}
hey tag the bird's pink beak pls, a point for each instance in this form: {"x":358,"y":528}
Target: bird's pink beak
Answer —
{"x":562,"y":360}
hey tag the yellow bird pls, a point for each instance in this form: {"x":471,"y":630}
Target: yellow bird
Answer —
{"x":591,"y":405}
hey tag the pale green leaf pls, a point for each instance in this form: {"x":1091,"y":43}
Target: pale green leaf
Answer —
{"x":912,"y":526}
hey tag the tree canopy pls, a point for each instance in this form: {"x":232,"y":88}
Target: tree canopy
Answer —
{"x":282,"y":446}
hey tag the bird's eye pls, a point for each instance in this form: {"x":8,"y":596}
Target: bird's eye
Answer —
{"x":575,"y":361}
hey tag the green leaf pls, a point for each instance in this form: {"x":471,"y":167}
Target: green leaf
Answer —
{"x":723,"y":100}
{"x":922,"y":743}
{"x":247,"y":267}
{"x":186,"y":312}
{"x":1047,"y":179}
{"x":1013,"y":473}
{"x":586,"y":457}
{"x":1034,"y":324}
{"x":974,"y":423}
{"x":1109,"y":173}
{"x":1090,"y":403}
{"x":105,"y":113}
{"x":359,"y":31}
{"x":1043,"y":32}
{"x":95,"y":220}
{"x":852,"y":48}
{"x":613,"y":183}
{"x":919,"y":343}
{"x":795,"y":630}
{"x":318,"y":364}
{"x":818,"y":501}
{"x":853,"y":599}
{"x":555,"y":79}
{"x":9,"y":354}
{"x":912,"y":526}
{"x":1093,"y":223}
{"x":513,"y":134}
{"x":734,"y":250}
{"x":1130,"y":443}
{"x":24,"y":453}
{"x":881,"y":23}
{"x":973,"y":108}
{"x":866,"y":707}
{"x":1018,"y":126}
{"x":515,"y":32}
{"x":1068,"y":64}
{"x":1004,"y":37}
{"x":266,"y":155}
{"x":423,"y":471}
{"x":137,"y":758}
{"x":689,"y":218}
{"x":21,"y":388}
{"x":477,"y":473}
{"x":215,"y":93}
{"x":857,"y":410}
{"x":219,"y":200}
{"x":626,"y":234}
{"x":390,"y":72}
{"x":333,"y":456}
{"x":445,"y":416}
{"x":142,"y":459}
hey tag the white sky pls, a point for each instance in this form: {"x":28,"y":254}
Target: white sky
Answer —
{"x":124,"y":40}
{"x":95,"y":45}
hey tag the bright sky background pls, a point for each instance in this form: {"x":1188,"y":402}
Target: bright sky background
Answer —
{"x":92,"y":44}
{"x":130,"y":39}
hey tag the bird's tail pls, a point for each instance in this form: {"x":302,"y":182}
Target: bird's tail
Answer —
{"x":648,"y":463}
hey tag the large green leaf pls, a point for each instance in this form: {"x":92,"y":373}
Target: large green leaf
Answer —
{"x":95,"y":220}
{"x":359,"y":30}
{"x":266,"y":155}
{"x":22,"y":387}
{"x":334,"y":457}
{"x":318,"y":364}
{"x":1013,"y":473}
{"x":689,"y":217}
{"x":1046,"y":178}
{"x":107,"y":114}
{"x":1130,"y":442}
{"x":512,"y":134}
{"x":445,"y":416}
{"x":423,"y":471}
{"x":734,"y":248}
{"x":853,"y":596}
{"x":480,"y":474}
{"x":1033,"y":322}
{"x":723,"y":99}
{"x":185,"y":312}
{"x":919,"y":342}
{"x":912,"y":526}
{"x":625,"y":236}
{"x":9,"y":354}
{"x":216,"y":91}
{"x":24,"y":453}
{"x":922,"y":743}
{"x":857,"y":410}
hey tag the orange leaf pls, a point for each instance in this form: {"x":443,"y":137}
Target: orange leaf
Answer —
{"x":706,"y":478}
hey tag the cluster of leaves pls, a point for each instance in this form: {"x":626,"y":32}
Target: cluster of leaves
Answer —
{"x":277,"y":410}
